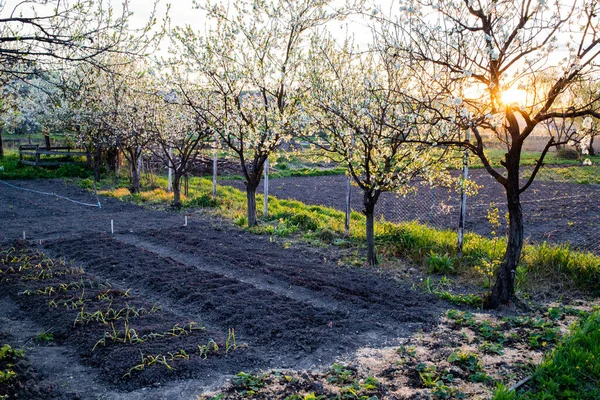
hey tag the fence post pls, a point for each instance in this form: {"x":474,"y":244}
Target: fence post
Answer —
{"x":463,"y":198}
{"x":266,"y":188}
{"x":170,"y":174}
{"x":348,"y":194}
{"x":214,"y":178}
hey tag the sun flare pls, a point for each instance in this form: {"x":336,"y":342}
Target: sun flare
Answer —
{"x":514,"y":96}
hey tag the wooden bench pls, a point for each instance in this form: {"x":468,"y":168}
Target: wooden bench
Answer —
{"x":32,"y":155}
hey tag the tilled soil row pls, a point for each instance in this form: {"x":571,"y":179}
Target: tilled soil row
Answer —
{"x":131,"y":342}
{"x":279,"y":329}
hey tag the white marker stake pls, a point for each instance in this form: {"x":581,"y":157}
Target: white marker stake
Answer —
{"x":112,"y":227}
{"x":185,"y":221}
{"x":23,"y":235}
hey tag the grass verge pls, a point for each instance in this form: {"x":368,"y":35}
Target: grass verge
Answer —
{"x":10,"y":168}
{"x":570,"y":371}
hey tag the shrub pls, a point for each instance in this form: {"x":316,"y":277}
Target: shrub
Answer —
{"x":567,"y":154}
{"x":204,"y":201}
{"x":440,"y":264}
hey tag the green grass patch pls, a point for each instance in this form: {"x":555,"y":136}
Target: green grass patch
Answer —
{"x":529,"y":158}
{"x":583,"y":175}
{"x":571,"y":370}
{"x":10,"y":168}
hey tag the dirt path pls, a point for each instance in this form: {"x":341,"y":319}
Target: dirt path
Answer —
{"x":290,"y":308}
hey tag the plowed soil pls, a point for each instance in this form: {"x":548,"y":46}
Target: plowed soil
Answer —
{"x":286,"y":307}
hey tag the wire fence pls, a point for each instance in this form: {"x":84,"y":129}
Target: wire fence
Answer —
{"x":554,"y":212}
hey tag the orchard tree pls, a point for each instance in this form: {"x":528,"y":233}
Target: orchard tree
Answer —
{"x":179,"y":133}
{"x":48,"y":35}
{"x":358,"y":107}
{"x":128,"y":107}
{"x":85,"y":115}
{"x":252,"y":59}
{"x":485,"y":58}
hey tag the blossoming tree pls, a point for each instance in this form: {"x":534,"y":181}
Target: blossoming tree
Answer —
{"x":38,"y":36}
{"x":485,"y":57}
{"x":359,"y":108}
{"x":252,"y":59}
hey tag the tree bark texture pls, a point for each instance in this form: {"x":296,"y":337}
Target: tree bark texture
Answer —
{"x":177,"y":190}
{"x":135,"y":178}
{"x":504,"y":288}
{"x":251,"y":196}
{"x":97,"y":163}
{"x":369,"y":201}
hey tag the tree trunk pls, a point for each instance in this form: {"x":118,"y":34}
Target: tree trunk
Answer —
{"x":251,"y":196}
{"x":504,"y":288}
{"x":369,"y":201}
{"x":135,"y":177}
{"x":177,"y":190}
{"x":97,"y":163}
{"x":1,"y":144}
{"x":112,"y":157}
{"x":47,"y":140}
{"x":591,"y":149}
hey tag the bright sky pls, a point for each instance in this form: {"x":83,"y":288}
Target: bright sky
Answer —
{"x":182,"y":12}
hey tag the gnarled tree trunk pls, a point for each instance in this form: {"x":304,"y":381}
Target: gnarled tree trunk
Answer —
{"x":251,"y":197}
{"x":136,"y":181}
{"x":504,"y":288}
{"x":369,"y":201}
{"x":177,"y":190}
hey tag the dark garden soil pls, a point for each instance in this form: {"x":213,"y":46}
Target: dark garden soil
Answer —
{"x":554,"y":212}
{"x":159,"y":310}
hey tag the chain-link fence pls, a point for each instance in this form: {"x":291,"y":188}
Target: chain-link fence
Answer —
{"x":555,"y":212}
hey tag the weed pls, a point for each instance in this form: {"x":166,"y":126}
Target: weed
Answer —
{"x":495,"y":348}
{"x":111,"y":314}
{"x":230,"y":343}
{"x":571,"y":371}
{"x":340,"y":374}
{"x":248,"y":384}
{"x":148,"y":361}
{"x":440,"y":264}
{"x":480,"y":377}
{"x":8,"y":356}
{"x":465,"y":360}
{"x":210,"y":347}
{"x":45,"y":336}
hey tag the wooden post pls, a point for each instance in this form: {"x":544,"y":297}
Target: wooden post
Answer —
{"x":463,"y":199}
{"x":170,"y":176}
{"x":266,"y":188}
{"x":348,"y":193}
{"x":214,"y":180}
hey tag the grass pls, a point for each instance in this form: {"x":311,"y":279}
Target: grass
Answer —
{"x":584,"y":175}
{"x":571,"y":370}
{"x":10,"y":168}
{"x":529,"y":158}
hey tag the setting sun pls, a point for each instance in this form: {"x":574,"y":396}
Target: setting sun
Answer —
{"x":514,"y":96}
